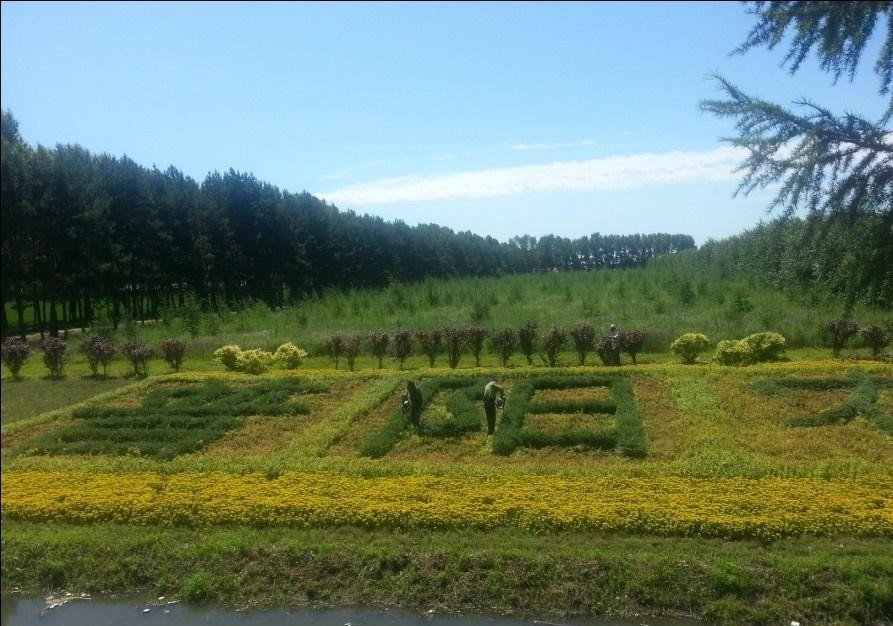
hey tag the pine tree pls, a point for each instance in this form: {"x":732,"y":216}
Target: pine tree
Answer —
{"x":826,"y":163}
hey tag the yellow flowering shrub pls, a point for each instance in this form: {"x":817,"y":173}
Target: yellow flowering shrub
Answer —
{"x":767,"y":508}
{"x":290,"y":355}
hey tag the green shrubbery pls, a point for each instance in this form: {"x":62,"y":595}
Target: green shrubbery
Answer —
{"x":756,"y":348}
{"x":776,"y":386}
{"x":731,"y":352}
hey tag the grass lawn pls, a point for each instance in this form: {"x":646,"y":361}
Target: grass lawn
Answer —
{"x":28,"y":397}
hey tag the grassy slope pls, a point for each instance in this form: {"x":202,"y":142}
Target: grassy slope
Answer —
{"x":500,"y":571}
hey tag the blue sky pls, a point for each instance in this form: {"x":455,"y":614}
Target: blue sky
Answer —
{"x":503,"y":119}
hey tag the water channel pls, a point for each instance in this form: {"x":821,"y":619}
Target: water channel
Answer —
{"x":27,"y":611}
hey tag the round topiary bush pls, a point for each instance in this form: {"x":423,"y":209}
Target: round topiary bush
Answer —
{"x":254,"y":361}
{"x":290,"y":355}
{"x":689,"y":346}
{"x":229,"y":356}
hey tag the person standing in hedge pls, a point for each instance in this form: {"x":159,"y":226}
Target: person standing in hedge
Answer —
{"x":412,"y":402}
{"x":493,"y":391}
{"x":614,"y":344}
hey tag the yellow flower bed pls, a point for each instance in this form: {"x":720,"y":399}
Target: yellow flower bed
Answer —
{"x":736,"y":507}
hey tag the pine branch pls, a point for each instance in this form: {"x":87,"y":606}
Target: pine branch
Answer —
{"x":825,"y":162}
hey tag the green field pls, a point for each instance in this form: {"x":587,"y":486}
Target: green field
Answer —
{"x":667,"y":298}
{"x":739,"y":495}
{"x":726,"y":508}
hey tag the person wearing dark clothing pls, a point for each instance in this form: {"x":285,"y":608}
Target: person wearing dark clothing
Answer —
{"x":492,"y":391}
{"x":412,"y":402}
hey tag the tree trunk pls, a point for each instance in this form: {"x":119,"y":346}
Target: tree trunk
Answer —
{"x":20,"y":311}
{"x":54,"y":322}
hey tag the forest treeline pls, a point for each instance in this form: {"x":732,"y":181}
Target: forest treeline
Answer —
{"x":84,"y":231}
{"x":849,"y":257}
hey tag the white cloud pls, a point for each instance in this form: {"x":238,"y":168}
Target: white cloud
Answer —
{"x":552,"y":146}
{"x":609,"y":173}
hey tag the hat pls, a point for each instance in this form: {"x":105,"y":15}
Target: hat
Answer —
{"x":613,"y":326}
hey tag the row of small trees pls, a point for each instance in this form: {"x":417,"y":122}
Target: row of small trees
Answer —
{"x":503,"y":342}
{"x":837,"y":333}
{"x":99,"y":352}
{"x":454,"y":342}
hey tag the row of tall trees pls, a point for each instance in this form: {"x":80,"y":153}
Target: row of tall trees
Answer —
{"x":86,"y":234}
{"x":845,"y":256}
{"x":835,"y":167}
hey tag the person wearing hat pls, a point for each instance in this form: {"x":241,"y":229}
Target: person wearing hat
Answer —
{"x":492,"y":391}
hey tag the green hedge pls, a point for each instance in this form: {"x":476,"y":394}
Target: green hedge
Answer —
{"x":464,"y":404}
{"x":173,"y":420}
{"x":861,"y":402}
{"x":776,"y":386}
{"x":627,"y":436}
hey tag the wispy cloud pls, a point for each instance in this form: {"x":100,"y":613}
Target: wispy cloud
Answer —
{"x":609,"y":173}
{"x":553,"y":146}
